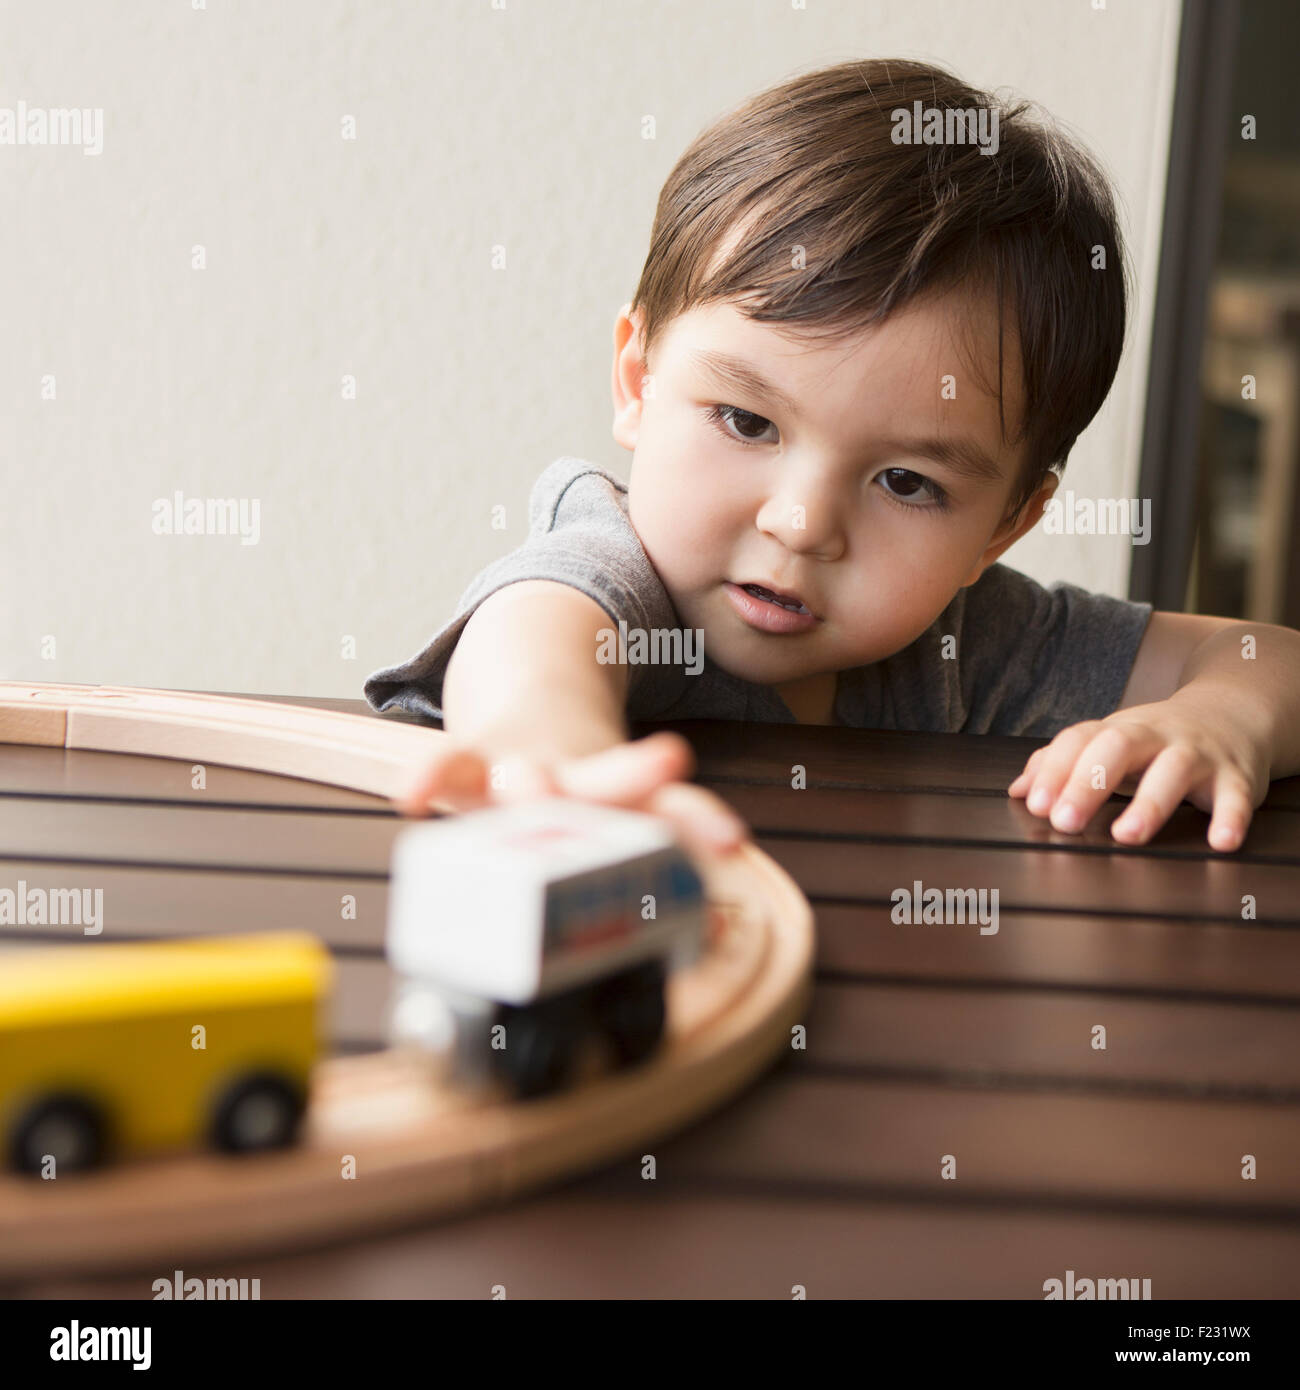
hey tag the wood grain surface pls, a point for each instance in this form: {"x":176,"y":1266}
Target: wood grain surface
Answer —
{"x":924,"y":1040}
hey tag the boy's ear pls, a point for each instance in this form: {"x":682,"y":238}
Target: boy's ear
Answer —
{"x":628,"y":377}
{"x":1010,"y":531}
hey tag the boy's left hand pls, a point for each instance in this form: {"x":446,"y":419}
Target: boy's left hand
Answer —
{"x":1188,"y":748}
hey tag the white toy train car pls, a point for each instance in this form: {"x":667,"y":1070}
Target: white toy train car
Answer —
{"x":517,"y":932}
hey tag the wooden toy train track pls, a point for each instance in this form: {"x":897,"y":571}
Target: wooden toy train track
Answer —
{"x":417,"y":1149}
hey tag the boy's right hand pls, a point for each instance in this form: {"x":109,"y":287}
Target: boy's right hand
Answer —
{"x":646,"y":775}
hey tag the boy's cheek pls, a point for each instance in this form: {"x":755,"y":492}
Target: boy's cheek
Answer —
{"x":682,"y":561}
{"x":685,"y":531}
{"x":875,"y":630}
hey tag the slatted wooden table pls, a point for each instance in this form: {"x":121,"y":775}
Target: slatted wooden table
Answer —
{"x":929,"y":1046}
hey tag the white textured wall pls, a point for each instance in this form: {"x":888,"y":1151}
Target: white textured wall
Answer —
{"x":476,"y":126}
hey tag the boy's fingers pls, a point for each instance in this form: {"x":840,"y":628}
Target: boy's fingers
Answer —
{"x":701,"y":820}
{"x":1059,"y":757}
{"x":1172,"y":773}
{"x":461,"y":778}
{"x":1120,"y":753}
{"x":519,"y":778}
{"x":452,"y":775}
{"x":1233,"y":809}
{"x":628,"y":772}
{"x":1022,"y":783}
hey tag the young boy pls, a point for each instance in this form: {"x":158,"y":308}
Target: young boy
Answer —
{"x":864,"y":338}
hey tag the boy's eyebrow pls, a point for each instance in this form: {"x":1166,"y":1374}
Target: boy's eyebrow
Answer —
{"x":744,"y":376}
{"x":961,"y":456}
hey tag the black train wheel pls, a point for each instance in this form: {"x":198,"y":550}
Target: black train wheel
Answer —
{"x":630,"y":1012}
{"x":540,"y":1040}
{"x":68,"y":1129}
{"x":259,"y":1111}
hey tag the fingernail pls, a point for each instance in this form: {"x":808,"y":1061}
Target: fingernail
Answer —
{"x":727,"y":832}
{"x":1130,"y":823}
{"x":1040,"y":800}
{"x":1067,"y":817}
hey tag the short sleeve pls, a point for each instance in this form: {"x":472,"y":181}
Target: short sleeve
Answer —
{"x":578,"y":534}
{"x":1034,"y":660}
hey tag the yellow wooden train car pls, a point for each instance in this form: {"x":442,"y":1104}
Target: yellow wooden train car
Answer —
{"x":112,"y":1049}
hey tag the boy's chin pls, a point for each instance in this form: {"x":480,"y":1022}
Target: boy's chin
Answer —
{"x":756,"y":672}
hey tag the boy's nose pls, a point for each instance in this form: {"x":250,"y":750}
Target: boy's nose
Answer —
{"x":807,"y":525}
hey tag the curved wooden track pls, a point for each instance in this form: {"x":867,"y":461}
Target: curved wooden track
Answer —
{"x":417,"y":1148}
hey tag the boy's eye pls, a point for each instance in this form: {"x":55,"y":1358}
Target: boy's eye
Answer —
{"x":902,"y":484}
{"x":740,"y":425}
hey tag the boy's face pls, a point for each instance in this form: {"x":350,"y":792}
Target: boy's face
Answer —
{"x":834,"y":500}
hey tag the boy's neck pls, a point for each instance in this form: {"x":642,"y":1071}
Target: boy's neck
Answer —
{"x":811,"y":699}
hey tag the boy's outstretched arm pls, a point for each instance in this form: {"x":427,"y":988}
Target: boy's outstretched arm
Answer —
{"x":524,"y":679}
{"x":1211,"y":713}
{"x":529,"y":711}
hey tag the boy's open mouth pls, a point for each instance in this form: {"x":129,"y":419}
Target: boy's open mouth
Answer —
{"x":791,"y":602}
{"x":770,"y":610}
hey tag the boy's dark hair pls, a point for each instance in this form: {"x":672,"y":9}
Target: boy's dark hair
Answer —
{"x":813,"y":162}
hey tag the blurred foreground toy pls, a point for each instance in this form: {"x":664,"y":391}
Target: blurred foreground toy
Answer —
{"x":114,"y":1049}
{"x":424,"y":1151}
{"x":518,"y":932}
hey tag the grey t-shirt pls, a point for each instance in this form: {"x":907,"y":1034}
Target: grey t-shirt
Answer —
{"x":1027,"y":659}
